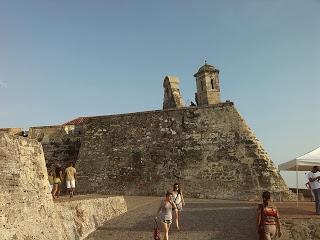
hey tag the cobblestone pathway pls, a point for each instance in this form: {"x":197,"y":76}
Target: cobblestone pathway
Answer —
{"x":201,"y":220}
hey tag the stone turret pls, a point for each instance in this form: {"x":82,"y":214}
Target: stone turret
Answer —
{"x":208,"y":87}
{"x":172,"y":97}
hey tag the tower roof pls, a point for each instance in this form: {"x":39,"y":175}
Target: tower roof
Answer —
{"x":206,"y":68}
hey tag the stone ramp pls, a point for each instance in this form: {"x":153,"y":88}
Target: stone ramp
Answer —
{"x":202,"y":220}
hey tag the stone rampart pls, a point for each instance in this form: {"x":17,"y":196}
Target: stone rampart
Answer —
{"x":80,"y":217}
{"x":60,"y":143}
{"x":26,"y":207}
{"x":210,"y":150}
{"x":12,"y":131}
{"x":27,"y":210}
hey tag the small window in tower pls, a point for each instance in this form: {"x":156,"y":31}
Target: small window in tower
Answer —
{"x":212,"y":84}
{"x":201,"y":85}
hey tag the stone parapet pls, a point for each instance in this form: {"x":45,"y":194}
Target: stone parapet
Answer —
{"x":82,"y":216}
{"x":11,"y":131}
{"x":27,"y":210}
{"x":26,"y":207}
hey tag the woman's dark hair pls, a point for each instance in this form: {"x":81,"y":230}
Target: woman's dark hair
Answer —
{"x":266,"y":197}
{"x":174,"y":189}
{"x":168,"y":193}
{"x":57,"y":171}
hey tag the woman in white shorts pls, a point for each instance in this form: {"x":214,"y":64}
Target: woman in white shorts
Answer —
{"x":71,"y":178}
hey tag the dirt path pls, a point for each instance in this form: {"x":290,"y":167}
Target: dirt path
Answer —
{"x":201,"y":220}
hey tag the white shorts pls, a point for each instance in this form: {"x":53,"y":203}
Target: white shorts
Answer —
{"x":71,"y":183}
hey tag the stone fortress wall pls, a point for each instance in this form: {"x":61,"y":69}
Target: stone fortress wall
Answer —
{"x":26,"y":206}
{"x":209,"y":149}
{"x":60,"y":143}
{"x":27,"y":211}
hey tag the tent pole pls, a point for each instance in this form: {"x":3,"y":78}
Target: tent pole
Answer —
{"x":297,"y":184}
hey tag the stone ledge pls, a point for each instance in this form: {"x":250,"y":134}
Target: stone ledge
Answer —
{"x":83,"y":215}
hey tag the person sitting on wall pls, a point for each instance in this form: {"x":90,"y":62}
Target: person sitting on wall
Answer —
{"x":71,"y":175}
{"x":58,"y":178}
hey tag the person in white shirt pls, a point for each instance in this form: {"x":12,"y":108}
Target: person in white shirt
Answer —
{"x":314,"y":177}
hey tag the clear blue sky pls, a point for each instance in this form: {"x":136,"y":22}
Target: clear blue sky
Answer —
{"x":64,"y":59}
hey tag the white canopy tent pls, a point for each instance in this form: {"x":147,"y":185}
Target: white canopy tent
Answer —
{"x":302,"y":163}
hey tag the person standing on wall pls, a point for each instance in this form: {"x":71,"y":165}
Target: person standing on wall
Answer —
{"x":71,"y":175}
{"x":178,"y":200}
{"x":313,"y":177}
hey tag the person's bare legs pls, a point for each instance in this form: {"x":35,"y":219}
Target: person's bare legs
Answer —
{"x":58,"y":190}
{"x":178,"y":220}
{"x":270,"y":232}
{"x":71,"y":192}
{"x":54,"y":190}
{"x":165,"y":227}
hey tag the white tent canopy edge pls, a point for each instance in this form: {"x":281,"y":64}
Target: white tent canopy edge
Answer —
{"x":302,"y":163}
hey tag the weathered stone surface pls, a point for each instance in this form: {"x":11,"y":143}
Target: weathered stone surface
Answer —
{"x":12,"y":131}
{"x":172,"y":97}
{"x":60,"y":143}
{"x":26,"y":206}
{"x":300,"y":229}
{"x":210,"y":150}
{"x":27,"y":210}
{"x":81,"y":217}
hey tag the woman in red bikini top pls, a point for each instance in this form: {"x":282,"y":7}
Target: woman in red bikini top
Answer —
{"x":268,"y":224}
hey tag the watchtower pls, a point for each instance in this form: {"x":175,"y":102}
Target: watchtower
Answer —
{"x":208,"y":87}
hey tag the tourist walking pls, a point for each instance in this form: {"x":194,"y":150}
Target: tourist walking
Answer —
{"x":57,"y":180}
{"x":71,"y":174}
{"x":268,"y":224}
{"x":313,"y":177}
{"x":51,"y":179}
{"x":178,"y":200}
{"x":165,"y":210}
